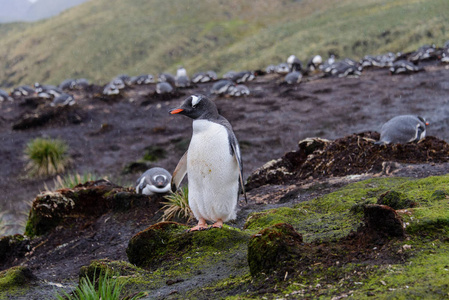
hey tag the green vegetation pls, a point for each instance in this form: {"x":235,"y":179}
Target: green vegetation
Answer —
{"x":99,"y":40}
{"x":177,"y":206}
{"x":46,"y":157}
{"x":106,"y":286}
{"x":72,"y":180}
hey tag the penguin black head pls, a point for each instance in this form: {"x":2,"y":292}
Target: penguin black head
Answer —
{"x":197,"y":107}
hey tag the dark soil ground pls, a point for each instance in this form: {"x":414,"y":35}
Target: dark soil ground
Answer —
{"x":107,"y":134}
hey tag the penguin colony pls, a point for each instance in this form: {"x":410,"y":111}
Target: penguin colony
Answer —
{"x":213,"y":160}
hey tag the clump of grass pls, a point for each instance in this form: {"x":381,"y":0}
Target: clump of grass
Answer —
{"x":106,"y":286}
{"x":177,"y":205}
{"x":46,"y":157}
{"x":72,"y":180}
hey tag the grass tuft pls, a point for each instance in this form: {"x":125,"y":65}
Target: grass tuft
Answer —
{"x":72,"y":180}
{"x":177,"y":206}
{"x":106,"y":286}
{"x":46,"y":157}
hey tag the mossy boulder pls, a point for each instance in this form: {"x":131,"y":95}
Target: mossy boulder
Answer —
{"x":396,"y":200}
{"x":15,"y":277}
{"x":169,"y":240}
{"x":91,"y":199}
{"x":100,"y":267}
{"x":267,"y":218}
{"x":273,"y":248}
{"x":13,"y":246}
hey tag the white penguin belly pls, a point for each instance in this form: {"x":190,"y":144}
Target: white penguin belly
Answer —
{"x":213,"y":173}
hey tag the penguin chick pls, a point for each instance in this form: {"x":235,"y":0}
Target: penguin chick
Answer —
{"x":403,"y":129}
{"x":153,"y":181}
{"x":213,"y":164}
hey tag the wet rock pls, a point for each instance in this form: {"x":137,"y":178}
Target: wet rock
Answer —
{"x":16,"y":277}
{"x":396,"y":200}
{"x":91,"y":199}
{"x":274,"y":249}
{"x":12,"y":247}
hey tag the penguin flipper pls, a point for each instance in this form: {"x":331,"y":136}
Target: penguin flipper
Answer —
{"x":179,"y":173}
{"x":239,"y":162}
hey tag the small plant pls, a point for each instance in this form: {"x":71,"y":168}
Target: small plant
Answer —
{"x":107,"y":286}
{"x":177,"y":205}
{"x":46,"y":157}
{"x":70,"y":181}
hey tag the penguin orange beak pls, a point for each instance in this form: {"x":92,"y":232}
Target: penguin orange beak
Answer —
{"x":176,"y":111}
{"x":427,"y":123}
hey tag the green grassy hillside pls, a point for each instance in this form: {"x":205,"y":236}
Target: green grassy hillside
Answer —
{"x":103,"y":38}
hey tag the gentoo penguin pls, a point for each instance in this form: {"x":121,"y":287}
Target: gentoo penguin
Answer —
{"x":212,"y":162}
{"x":166,"y":77}
{"x":63,"y":100}
{"x":153,"y":181}
{"x":67,"y":84}
{"x":239,"y":90}
{"x":314,"y":64}
{"x":270,"y":69}
{"x":181,"y":78}
{"x":445,"y":55}
{"x":229,"y":75}
{"x":294,"y":64}
{"x":163,"y":88}
{"x":23,"y":90}
{"x":404,"y":67}
{"x":204,"y":77}
{"x":243,"y":76}
{"x":141,"y":79}
{"x":111,"y":89}
{"x":293,"y":77}
{"x":222,"y":87}
{"x":282,"y":69}
{"x":47,"y":91}
{"x":423,"y":53}
{"x":403,"y":129}
{"x":4,"y":96}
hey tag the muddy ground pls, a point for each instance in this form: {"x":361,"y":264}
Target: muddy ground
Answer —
{"x":107,"y":134}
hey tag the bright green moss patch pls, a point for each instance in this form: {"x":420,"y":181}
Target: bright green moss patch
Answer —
{"x":14,"y":281}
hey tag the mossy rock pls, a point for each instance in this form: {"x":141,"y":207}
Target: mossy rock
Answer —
{"x":169,"y":240}
{"x":13,"y":246}
{"x":396,"y":200}
{"x":273,"y":248}
{"x":16,"y":277}
{"x":100,"y":267}
{"x":91,"y":199}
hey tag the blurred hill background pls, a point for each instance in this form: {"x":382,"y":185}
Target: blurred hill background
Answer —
{"x":100,"y":39}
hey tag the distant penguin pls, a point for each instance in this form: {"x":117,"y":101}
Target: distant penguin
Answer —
{"x":163,"y":88}
{"x":282,"y":68}
{"x":229,"y":75}
{"x":425,"y":52}
{"x":154,"y":181}
{"x":213,"y":164}
{"x":47,"y":91}
{"x":67,"y":84}
{"x":403,"y":129}
{"x":404,"y":67}
{"x":293,"y":77}
{"x":445,"y":55}
{"x":141,"y":79}
{"x":270,"y":69}
{"x":23,"y":90}
{"x":111,"y":89}
{"x":4,"y":96}
{"x":222,"y":87}
{"x":239,"y":91}
{"x":207,"y":76}
{"x":244,"y":76}
{"x":294,"y":64}
{"x":181,"y":78}
{"x":313,"y":65}
{"x":63,"y":100}
{"x":167,"y":77}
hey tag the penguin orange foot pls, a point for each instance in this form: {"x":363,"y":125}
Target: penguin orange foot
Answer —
{"x":202,"y":225}
{"x":218,"y":224}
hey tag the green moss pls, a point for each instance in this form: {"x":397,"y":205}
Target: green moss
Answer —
{"x":15,"y":277}
{"x":395,"y":200}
